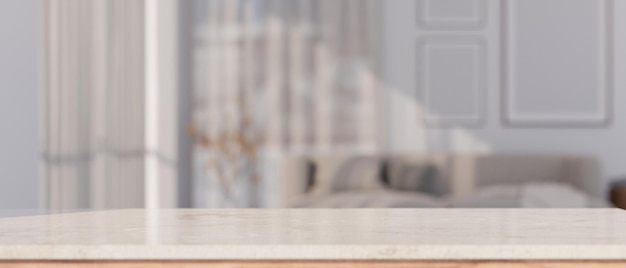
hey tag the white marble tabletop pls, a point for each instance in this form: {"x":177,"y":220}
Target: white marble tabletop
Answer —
{"x":598,"y":234}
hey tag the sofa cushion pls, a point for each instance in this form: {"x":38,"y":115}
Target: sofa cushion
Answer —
{"x":527,"y":195}
{"x":370,"y":199}
{"x":403,"y":176}
{"x":494,"y":196}
{"x":338,"y":174}
{"x":510,"y":169}
{"x":424,"y":173}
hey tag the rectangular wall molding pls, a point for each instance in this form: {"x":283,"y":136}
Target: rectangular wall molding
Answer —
{"x":546,"y":61}
{"x":441,"y":15}
{"x":452,"y":80}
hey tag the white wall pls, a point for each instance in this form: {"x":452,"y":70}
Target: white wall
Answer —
{"x":406,"y":134}
{"x":19,"y":99}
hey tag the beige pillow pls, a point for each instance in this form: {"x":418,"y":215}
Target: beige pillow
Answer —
{"x":340,"y":174}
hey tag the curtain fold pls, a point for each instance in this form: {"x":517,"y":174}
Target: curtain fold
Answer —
{"x":93,"y":107}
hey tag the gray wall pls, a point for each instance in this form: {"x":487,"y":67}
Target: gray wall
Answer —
{"x":608,"y":144}
{"x":19,"y":98}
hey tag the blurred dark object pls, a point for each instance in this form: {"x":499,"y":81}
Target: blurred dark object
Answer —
{"x":618,"y":193}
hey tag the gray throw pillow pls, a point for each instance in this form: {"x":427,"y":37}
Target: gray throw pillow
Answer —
{"x":414,"y":177}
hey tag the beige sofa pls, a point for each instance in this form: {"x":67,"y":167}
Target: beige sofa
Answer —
{"x":464,"y":174}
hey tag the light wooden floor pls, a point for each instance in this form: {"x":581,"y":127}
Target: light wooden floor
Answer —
{"x":311,"y":264}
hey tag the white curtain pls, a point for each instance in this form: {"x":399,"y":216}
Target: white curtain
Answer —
{"x":309,"y":70}
{"x":93,"y":105}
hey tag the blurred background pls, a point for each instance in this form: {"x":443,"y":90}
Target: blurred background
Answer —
{"x":312,"y":104}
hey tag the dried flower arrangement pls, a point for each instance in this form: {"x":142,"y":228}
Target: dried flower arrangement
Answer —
{"x":233,"y":158}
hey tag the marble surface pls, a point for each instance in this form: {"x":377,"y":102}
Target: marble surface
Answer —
{"x":596,"y":234}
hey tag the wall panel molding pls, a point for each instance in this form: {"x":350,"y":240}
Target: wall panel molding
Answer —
{"x":453,"y":80}
{"x":567,"y":59}
{"x":467,"y":14}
